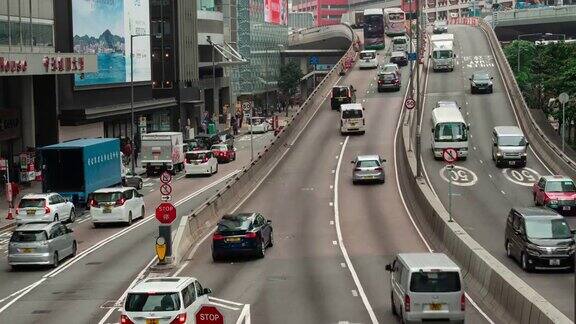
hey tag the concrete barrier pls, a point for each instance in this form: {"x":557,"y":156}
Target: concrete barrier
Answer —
{"x":508,"y":297}
{"x":549,"y":152}
{"x":203,"y":219}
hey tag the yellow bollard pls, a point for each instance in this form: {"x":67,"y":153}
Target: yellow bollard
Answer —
{"x":161,"y":248}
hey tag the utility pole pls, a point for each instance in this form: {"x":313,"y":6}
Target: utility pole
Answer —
{"x":418,"y":94}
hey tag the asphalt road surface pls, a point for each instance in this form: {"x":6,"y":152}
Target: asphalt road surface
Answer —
{"x":483,"y":194}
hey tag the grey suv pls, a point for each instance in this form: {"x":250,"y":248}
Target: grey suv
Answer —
{"x":40,"y":243}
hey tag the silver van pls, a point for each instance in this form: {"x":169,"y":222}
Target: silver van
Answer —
{"x":426,"y":286}
{"x":509,"y":146}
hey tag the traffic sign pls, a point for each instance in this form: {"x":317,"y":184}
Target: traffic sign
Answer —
{"x":412,"y":56}
{"x":410,"y":103}
{"x":166,"y":213}
{"x":165,"y":177}
{"x":209,"y":315}
{"x":166,"y":197}
{"x":314,"y":60}
{"x":449,"y":155}
{"x":165,"y":189}
{"x":563,"y":98}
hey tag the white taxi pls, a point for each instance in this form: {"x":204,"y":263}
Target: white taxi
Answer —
{"x":116,"y":205}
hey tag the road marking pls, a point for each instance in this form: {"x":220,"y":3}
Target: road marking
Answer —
{"x":502,"y":191}
{"x":22,"y":294}
{"x":524,"y":177}
{"x":222,"y":305}
{"x":459,"y":175}
{"x":333,"y":171}
{"x":354,"y":293}
{"x":336,"y":157}
{"x":331,"y":222}
{"x":343,"y":265}
{"x":334,"y":243}
{"x":331,"y":204}
{"x":474,"y":148}
{"x":489,"y":175}
{"x":331,"y":187}
{"x":84,"y":220}
{"x":365,"y":300}
{"x":481,"y":162}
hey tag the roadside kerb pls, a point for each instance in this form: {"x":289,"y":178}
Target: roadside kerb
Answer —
{"x":203,"y":219}
{"x":547,"y":150}
{"x":508,"y":297}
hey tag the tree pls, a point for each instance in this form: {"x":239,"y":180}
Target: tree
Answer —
{"x":290,"y":76}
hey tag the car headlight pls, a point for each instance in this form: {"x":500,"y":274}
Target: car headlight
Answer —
{"x":572,"y":249}
{"x":473,"y":83}
{"x":498,"y":154}
{"x":524,"y":154}
{"x":553,"y":202}
{"x":532,"y":249}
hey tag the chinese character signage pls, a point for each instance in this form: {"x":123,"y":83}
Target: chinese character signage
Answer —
{"x":276,"y":12}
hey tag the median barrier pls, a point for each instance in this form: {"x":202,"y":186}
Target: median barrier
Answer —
{"x":548,"y":151}
{"x":202,"y":220}
{"x":508,"y":297}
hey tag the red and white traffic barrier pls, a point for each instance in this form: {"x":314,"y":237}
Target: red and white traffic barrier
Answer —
{"x":470,"y":21}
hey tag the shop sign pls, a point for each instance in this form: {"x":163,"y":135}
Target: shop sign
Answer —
{"x":47,"y":63}
{"x":9,"y":124}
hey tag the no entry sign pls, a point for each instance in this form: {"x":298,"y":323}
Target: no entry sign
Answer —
{"x":209,"y":315}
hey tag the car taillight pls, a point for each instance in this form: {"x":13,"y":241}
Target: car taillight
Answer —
{"x":380,"y":81}
{"x":250,"y":235}
{"x":188,"y":160}
{"x":204,"y":160}
{"x":93,"y":203}
{"x":217,"y":237}
{"x":406,"y":303}
{"x":17,"y":210}
{"x":546,"y":199}
{"x":180,"y":319}
{"x":357,"y":169}
{"x":463,"y":302}
{"x":120,"y":202}
{"x":46,"y":209}
{"x":125,"y":320}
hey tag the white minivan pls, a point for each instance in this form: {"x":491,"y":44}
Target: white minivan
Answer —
{"x":116,"y":205}
{"x":368,"y":59}
{"x":449,"y":130}
{"x":352,"y":119}
{"x":164,"y":300}
{"x":400,"y":43}
{"x":426,"y":286}
{"x":200,"y":163}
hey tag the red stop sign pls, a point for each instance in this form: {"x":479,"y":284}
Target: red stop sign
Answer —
{"x":209,"y":315}
{"x":166,"y":213}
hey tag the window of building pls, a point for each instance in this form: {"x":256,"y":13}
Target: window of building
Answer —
{"x":4,"y":33}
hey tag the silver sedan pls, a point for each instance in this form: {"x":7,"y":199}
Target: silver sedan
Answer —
{"x":368,"y":168}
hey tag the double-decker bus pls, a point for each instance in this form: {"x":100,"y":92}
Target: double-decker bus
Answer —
{"x":373,"y":29}
{"x":394,"y":22}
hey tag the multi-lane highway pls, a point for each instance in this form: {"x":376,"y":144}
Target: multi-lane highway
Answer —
{"x":482,"y":193}
{"x":108,"y":258}
{"x":332,"y":239}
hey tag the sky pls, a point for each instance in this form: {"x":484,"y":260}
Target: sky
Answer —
{"x":93,"y":17}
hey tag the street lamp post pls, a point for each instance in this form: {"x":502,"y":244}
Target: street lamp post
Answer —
{"x":563,"y":98}
{"x":418,"y":95}
{"x":214,"y":90}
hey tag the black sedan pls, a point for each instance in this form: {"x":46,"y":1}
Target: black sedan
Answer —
{"x":242,"y":234}
{"x":481,"y":82}
{"x":399,"y":58}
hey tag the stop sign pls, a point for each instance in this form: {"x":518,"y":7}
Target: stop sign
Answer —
{"x":209,"y":315}
{"x":166,"y":213}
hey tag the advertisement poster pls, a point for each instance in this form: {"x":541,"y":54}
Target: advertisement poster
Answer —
{"x":276,"y":12}
{"x":103,"y":27}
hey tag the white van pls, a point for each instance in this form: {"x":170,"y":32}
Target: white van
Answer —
{"x":426,"y":286}
{"x":352,"y":119}
{"x":449,"y":130}
{"x":400,"y":43}
{"x":368,"y":59}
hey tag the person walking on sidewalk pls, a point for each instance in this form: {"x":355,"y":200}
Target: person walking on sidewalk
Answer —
{"x":15,"y":192}
{"x":234,"y":125}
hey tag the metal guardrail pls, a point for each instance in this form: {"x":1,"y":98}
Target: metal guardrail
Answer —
{"x":536,"y":13}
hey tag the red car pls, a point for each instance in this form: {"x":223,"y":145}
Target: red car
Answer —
{"x":556,"y":192}
{"x":224,"y":152}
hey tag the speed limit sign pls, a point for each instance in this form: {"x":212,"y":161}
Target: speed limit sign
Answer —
{"x":410,"y":103}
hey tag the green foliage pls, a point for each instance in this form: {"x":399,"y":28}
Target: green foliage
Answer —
{"x":290,"y":76}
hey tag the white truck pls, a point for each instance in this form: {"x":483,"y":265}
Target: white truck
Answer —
{"x":442,"y":52}
{"x":162,"y":151}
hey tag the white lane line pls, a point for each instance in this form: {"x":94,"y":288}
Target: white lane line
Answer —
{"x":225,"y":301}
{"x":84,"y":220}
{"x":489,"y":175}
{"x":365,"y":300}
{"x":223,"y":306}
{"x":22,"y":294}
{"x":481,"y":161}
{"x":334,"y":243}
{"x":502,"y":191}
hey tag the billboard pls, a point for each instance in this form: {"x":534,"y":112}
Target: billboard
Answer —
{"x":276,"y":12}
{"x":103,"y":27}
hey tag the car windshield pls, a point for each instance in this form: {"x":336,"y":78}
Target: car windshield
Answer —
{"x":446,"y":104}
{"x":31,"y":203}
{"x":352,"y":113}
{"x":234,"y":223}
{"x":219,"y":147}
{"x":339,"y":92}
{"x":442,"y":54}
{"x":28,"y":236}
{"x":560,"y":186}
{"x":107,"y":196}
{"x":152,"y":302}
{"x":373,"y":26}
{"x":439,"y":23}
{"x":396,"y":16}
{"x":434,"y":282}
{"x":511,"y":141}
{"x":197,"y":155}
{"x":389,"y":68}
{"x":481,"y":77}
{"x":399,"y":41}
{"x":545,"y":228}
{"x":450,"y":132}
{"x":367,"y":164}
{"x":367,"y":55}
{"x":387,"y":76}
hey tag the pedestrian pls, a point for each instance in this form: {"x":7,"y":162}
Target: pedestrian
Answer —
{"x":15,"y":192}
{"x":127,"y":150}
{"x":137,"y":146}
{"x":240,"y":118}
{"x":234,"y":125}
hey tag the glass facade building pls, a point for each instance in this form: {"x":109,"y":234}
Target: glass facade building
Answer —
{"x":260,"y":43}
{"x":26,"y":25}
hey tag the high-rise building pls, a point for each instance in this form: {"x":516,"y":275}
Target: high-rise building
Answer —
{"x":326,"y":12}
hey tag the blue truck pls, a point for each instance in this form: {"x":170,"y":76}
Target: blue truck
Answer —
{"x":77,"y":168}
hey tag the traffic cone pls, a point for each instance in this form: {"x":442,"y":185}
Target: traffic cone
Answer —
{"x":10,"y":216}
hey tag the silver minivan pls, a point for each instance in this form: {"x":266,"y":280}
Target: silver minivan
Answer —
{"x":41,"y":243}
{"x":509,"y":146}
{"x":426,"y":286}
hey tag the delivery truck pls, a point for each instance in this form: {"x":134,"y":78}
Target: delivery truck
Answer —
{"x":442,"y":52}
{"x":162,"y":151}
{"x":77,"y":168}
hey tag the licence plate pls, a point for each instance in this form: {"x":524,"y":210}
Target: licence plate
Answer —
{"x":27,"y":250}
{"x":233,"y":240}
{"x":152,"y":321}
{"x":566,"y":208}
{"x":107,"y":210}
{"x":512,"y":162}
{"x":195,"y":162}
{"x":31,"y":212}
{"x":435,"y":307}
{"x":554,"y":262}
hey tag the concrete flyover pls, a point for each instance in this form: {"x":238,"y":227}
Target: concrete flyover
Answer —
{"x":326,"y":37}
